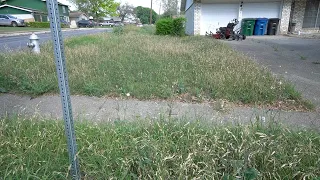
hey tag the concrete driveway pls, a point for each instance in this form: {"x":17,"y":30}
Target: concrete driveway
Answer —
{"x":296,"y":59}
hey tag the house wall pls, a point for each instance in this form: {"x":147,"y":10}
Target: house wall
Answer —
{"x":33,"y":4}
{"x":298,"y":13}
{"x":66,"y":13}
{"x":37,"y":4}
{"x":190,"y":20}
{"x":188,"y":4}
{"x":79,"y":18}
{"x":25,"y":17}
{"x":285,"y":16}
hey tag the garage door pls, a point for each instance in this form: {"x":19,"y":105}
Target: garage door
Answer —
{"x":261,"y":10}
{"x":214,"y":16}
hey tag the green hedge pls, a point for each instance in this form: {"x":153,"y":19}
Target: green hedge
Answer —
{"x":38,"y":24}
{"x":179,"y":26}
{"x":169,"y":26}
{"x":41,"y":25}
{"x":164,"y":26}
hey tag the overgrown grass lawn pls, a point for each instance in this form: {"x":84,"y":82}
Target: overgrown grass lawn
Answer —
{"x":147,"y":67}
{"x":164,"y":149}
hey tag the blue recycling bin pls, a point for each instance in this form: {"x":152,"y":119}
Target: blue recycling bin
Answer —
{"x":260,"y":27}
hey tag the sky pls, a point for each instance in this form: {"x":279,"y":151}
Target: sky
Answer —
{"x":144,"y":3}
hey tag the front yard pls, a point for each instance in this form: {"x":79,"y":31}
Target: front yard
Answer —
{"x":134,"y":63}
{"x":146,"y":66}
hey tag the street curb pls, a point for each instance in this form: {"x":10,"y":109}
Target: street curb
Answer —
{"x":42,"y":32}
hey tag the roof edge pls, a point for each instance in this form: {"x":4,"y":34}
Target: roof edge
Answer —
{"x":16,"y":7}
{"x":183,"y":5}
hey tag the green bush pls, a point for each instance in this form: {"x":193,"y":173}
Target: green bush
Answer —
{"x":164,"y":26}
{"x":42,"y":25}
{"x":169,"y":26}
{"x":38,"y":24}
{"x":179,"y":26}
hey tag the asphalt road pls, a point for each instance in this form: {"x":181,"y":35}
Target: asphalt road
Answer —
{"x":20,"y":42}
{"x":295,"y":59}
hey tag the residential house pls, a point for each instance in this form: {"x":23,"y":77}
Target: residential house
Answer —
{"x":77,"y":16}
{"x":31,"y":10}
{"x":129,"y":21}
{"x":208,"y":15}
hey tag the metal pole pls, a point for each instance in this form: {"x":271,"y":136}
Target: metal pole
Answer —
{"x":151,"y":13}
{"x":160,"y":8}
{"x":315,"y":26}
{"x":53,"y":12}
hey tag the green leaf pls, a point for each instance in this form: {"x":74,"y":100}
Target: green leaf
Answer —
{"x":251,"y":173}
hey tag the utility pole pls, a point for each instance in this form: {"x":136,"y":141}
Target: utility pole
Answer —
{"x":160,"y":9}
{"x":151,"y":13}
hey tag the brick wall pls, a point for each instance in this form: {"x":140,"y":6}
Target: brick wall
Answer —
{"x":197,"y":17}
{"x":285,"y":16}
{"x":298,"y":13}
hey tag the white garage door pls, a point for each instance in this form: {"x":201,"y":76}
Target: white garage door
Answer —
{"x":261,"y":10}
{"x":214,"y":16}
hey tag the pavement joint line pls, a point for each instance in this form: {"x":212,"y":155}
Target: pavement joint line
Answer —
{"x":99,"y":109}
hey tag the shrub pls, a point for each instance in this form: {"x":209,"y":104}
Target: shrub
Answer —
{"x":178,"y":26}
{"x":169,"y":26}
{"x":164,"y":26}
{"x":42,"y":25}
{"x":38,"y":24}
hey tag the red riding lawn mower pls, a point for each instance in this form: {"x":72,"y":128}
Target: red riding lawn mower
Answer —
{"x":228,"y":32}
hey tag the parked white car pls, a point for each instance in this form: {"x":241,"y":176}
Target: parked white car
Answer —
{"x":106,"y":24}
{"x":8,"y":20}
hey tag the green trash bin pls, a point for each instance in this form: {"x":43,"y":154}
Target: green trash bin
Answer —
{"x":247,"y":26}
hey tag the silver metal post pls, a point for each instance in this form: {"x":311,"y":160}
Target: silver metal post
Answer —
{"x":54,"y":17}
{"x":315,"y":26}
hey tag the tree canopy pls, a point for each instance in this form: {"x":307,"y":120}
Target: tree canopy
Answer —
{"x":143,"y":14}
{"x":97,"y":8}
{"x":170,"y":7}
{"x":125,"y":10}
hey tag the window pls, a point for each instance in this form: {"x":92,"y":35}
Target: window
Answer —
{"x":63,"y":9}
{"x":4,"y":17}
{"x":312,"y":15}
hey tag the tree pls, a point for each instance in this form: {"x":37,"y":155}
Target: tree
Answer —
{"x":97,"y":8}
{"x":143,"y":14}
{"x":125,"y":10}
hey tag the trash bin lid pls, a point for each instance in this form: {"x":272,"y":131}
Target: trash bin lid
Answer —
{"x":248,"y":19}
{"x":262,"y":19}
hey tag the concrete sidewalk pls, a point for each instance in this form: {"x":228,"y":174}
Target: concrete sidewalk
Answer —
{"x":107,"y":109}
